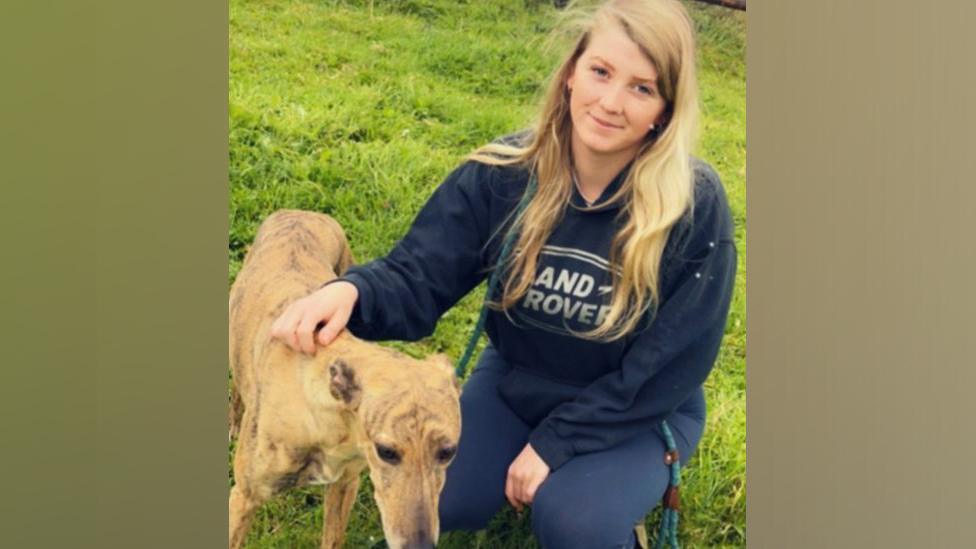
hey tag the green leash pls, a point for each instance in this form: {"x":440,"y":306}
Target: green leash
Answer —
{"x":670,"y":502}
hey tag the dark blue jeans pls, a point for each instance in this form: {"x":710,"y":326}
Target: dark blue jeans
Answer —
{"x":592,"y":502}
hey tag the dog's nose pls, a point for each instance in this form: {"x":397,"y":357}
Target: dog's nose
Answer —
{"x":421,"y":540}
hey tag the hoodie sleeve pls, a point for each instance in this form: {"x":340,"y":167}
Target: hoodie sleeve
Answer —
{"x":402,"y":295}
{"x":669,"y":359}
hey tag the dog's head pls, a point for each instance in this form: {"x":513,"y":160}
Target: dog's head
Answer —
{"x":409,"y":421}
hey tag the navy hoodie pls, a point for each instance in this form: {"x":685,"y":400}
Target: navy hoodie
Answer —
{"x":578,"y":395}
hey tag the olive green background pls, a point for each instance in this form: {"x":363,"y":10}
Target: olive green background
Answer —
{"x":113,"y":274}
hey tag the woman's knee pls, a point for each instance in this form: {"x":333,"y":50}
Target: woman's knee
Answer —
{"x":459,"y":513}
{"x":564,"y":523}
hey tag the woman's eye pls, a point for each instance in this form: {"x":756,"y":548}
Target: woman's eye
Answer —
{"x":646,"y":90}
{"x":600,"y":71}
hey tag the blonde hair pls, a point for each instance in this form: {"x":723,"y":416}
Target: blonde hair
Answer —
{"x":659,"y":187}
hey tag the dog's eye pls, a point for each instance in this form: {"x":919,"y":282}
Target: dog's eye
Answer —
{"x":388,"y":454}
{"x":446,"y":454}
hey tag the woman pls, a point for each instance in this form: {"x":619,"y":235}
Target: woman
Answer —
{"x":611,"y":306}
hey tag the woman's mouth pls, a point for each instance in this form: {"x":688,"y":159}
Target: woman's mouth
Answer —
{"x":604,"y":124}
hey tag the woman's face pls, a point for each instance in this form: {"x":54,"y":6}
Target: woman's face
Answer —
{"x":614,"y":96}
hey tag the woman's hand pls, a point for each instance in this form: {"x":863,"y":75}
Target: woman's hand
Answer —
{"x":525,"y":475}
{"x":331,"y":304}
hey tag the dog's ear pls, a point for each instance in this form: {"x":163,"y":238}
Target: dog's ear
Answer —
{"x":343,"y":383}
{"x":443,"y":360}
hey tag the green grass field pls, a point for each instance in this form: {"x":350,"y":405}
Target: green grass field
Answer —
{"x":359,"y":109}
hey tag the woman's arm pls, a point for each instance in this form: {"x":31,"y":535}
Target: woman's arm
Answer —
{"x":402,"y":295}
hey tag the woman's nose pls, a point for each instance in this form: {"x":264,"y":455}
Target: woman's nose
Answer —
{"x":611,"y":101}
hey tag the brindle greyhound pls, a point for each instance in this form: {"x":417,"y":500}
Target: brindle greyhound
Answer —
{"x":304,"y":420}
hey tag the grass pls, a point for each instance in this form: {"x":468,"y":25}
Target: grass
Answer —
{"x":359,"y":109}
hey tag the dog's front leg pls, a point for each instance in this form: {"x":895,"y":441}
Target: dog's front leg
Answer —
{"x":242,"y":508}
{"x":339,"y":497}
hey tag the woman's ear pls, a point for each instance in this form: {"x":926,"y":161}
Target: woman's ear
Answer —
{"x":662,"y":120}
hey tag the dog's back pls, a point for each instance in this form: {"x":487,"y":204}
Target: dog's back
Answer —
{"x":293,"y":254}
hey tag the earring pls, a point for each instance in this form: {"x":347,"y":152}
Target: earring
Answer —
{"x":651,"y":127}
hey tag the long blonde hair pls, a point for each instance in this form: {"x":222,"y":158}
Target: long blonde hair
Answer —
{"x":659,"y":187}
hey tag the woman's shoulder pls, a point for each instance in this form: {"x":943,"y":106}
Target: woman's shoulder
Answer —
{"x":709,"y":220}
{"x":709,"y":192}
{"x":487,"y":185}
{"x":521,"y":138}
{"x":497,"y":178}
{"x":704,"y":229}
{"x":711,"y":205}
{"x":474,"y":173}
